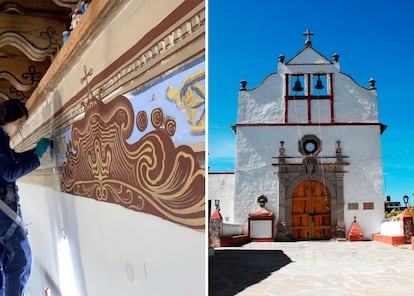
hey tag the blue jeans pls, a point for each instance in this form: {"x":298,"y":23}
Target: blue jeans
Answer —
{"x":15,"y":263}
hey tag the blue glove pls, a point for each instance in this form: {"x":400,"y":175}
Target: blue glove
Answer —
{"x":41,"y":147}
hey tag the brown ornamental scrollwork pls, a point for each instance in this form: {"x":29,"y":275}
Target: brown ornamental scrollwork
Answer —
{"x":170,"y":127}
{"x":142,"y":121}
{"x":150,"y":175}
{"x":157,"y":117}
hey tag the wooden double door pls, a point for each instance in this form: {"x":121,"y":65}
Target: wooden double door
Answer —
{"x":311,"y":214}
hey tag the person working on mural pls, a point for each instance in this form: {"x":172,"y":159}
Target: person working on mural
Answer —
{"x":15,"y":253}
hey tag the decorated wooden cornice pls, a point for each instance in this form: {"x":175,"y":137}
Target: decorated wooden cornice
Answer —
{"x":38,"y":38}
{"x":15,"y":81}
{"x":12,"y":8}
{"x":28,"y":45}
{"x":30,"y":50}
{"x":66,"y":3}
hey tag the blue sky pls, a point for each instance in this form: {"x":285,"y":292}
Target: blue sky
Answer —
{"x":373,"y":39}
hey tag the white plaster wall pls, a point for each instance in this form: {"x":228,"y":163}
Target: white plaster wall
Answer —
{"x":308,"y":55}
{"x":255,"y":174}
{"x":221,"y":187}
{"x":363,"y":181}
{"x":307,"y":68}
{"x":115,"y":251}
{"x":352,"y":102}
{"x":264,"y":103}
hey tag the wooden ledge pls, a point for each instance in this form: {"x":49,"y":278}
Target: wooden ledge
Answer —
{"x":91,"y":24}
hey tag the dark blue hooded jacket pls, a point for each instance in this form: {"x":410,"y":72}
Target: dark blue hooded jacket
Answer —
{"x":13,"y":165}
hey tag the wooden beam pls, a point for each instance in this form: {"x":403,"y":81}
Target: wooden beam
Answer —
{"x":32,"y":28}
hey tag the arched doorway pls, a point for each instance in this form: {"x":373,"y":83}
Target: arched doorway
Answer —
{"x":311,"y":213}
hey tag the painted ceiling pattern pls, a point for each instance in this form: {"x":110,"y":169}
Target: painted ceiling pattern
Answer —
{"x":150,"y":175}
{"x":30,"y":38}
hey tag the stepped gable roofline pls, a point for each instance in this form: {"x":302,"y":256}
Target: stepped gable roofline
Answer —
{"x":308,"y":56}
{"x":244,"y":89}
{"x":354,"y":81}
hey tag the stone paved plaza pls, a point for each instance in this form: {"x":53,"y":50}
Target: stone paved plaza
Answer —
{"x":312,"y":268}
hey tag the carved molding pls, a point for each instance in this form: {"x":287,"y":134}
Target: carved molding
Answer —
{"x":15,"y":82}
{"x":13,"y":8}
{"x":158,"y":51}
{"x":98,"y":13}
{"x":66,"y":3}
{"x":155,"y":55}
{"x":19,"y":88}
{"x":4,"y":96}
{"x":17,"y":94}
{"x":28,"y":48}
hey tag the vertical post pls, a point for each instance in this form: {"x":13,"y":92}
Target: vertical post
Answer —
{"x":407,"y":225}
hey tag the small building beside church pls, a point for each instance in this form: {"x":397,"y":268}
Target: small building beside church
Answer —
{"x":308,"y":138}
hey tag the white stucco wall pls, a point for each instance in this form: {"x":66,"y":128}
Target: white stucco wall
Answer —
{"x":115,"y":251}
{"x":354,"y":103}
{"x":262,"y":104}
{"x":363,"y":180}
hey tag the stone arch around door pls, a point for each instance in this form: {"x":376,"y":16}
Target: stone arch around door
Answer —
{"x":328,"y":170}
{"x":288,"y":183}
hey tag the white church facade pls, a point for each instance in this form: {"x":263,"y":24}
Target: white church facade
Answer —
{"x":308,"y":138}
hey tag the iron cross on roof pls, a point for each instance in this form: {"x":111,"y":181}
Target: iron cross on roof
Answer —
{"x":308,"y":33}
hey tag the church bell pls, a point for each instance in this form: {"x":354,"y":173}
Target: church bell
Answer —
{"x":298,"y":85}
{"x":319,"y":84}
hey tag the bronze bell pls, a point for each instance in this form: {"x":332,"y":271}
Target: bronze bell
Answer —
{"x":297,"y":86}
{"x":319,"y":84}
